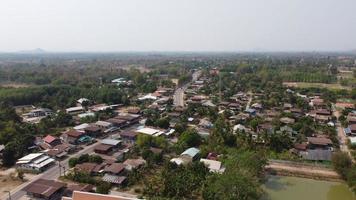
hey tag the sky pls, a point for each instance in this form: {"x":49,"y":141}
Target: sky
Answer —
{"x":177,"y":25}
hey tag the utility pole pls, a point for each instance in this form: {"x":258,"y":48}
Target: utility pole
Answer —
{"x":59,"y":166}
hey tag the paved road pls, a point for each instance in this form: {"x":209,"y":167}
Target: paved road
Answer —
{"x":250,"y":95}
{"x":50,"y":174}
{"x":178,"y":97}
{"x":53,"y":172}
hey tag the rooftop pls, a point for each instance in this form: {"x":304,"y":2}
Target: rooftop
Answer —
{"x":44,"y":187}
{"x":94,"y":196}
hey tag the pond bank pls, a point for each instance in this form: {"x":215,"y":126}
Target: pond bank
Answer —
{"x":294,"y":188}
{"x":302,"y":170}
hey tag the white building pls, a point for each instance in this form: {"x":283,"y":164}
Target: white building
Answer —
{"x":75,"y":110}
{"x":35,"y":162}
{"x":213,"y":165}
{"x":150,"y":131}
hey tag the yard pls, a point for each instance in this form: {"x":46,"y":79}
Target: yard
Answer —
{"x":8,"y":180}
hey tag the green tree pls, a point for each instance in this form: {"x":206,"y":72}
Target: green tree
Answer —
{"x":341,"y":162}
{"x":103,"y":187}
{"x":231,"y":186}
{"x":190,"y":138}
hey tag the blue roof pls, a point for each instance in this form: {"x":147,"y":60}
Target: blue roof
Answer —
{"x":347,"y":130}
{"x":192,"y":152}
{"x":250,"y":110}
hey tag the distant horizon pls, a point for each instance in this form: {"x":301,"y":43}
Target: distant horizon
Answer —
{"x":45,"y":51}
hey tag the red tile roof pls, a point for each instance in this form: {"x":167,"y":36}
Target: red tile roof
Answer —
{"x":49,"y":139}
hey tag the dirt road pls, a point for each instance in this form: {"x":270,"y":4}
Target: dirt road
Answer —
{"x":310,"y":171}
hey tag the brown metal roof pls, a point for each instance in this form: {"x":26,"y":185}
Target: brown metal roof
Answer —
{"x":115,"y":168}
{"x":44,"y":187}
{"x":74,"y":133}
{"x":319,"y":140}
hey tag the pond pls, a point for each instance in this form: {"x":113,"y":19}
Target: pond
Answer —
{"x":293,"y":188}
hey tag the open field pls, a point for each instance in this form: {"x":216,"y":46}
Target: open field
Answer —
{"x":332,"y":86}
{"x":8,"y":180}
{"x":14,"y":85}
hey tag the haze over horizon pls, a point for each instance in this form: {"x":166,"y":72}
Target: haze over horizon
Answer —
{"x":184,"y":25}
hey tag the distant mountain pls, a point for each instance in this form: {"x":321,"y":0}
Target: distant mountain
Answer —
{"x":33,"y":51}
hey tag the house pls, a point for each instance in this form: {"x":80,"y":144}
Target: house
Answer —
{"x":103,"y":125}
{"x":39,"y":112}
{"x":114,"y":179}
{"x":257,"y":106}
{"x":78,"y":187}
{"x":128,"y":135}
{"x":83,"y":100}
{"x":265,"y":127}
{"x":213,"y":165}
{"x":130,"y":118}
{"x":344,"y":105}
{"x":117,"y":122}
{"x":318,"y":103}
{"x":103,"y":149}
{"x":86,"y":114}
{"x":301,"y":146}
{"x":150,"y":131}
{"x":250,"y":111}
{"x":239,"y":127}
{"x":351,"y":119}
{"x":191,"y":152}
{"x":297,"y":112}
{"x":51,"y":141}
{"x":90,"y":168}
{"x":81,"y":127}
{"x":93,"y":131}
{"x":75,"y":110}
{"x":323,"y":112}
{"x":234,"y":106}
{"x":131,"y":164}
{"x":288,"y":130}
{"x":36,"y":115}
{"x":205,"y":123}
{"x":111,"y":142}
{"x":352,"y":140}
{"x":115,"y":168}
{"x":59,"y":151}
{"x":73,"y":136}
{"x":35,"y":162}
{"x":319,"y":143}
{"x":317,"y":154}
{"x":352,"y":129}
{"x":45,"y":189}
{"x":78,"y":195}
{"x":208,"y":103}
{"x":287,"y":106}
{"x":187,"y":156}
{"x":287,"y":120}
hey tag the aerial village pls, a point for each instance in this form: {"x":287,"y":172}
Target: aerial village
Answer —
{"x":127,"y":142}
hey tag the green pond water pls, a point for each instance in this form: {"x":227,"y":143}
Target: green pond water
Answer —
{"x":293,"y":188}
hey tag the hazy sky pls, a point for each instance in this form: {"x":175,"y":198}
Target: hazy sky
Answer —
{"x":177,"y":25}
